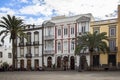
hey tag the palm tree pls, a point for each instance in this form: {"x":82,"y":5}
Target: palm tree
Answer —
{"x":12,"y":27}
{"x":94,"y":43}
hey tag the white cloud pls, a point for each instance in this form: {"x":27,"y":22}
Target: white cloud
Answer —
{"x":36,"y":10}
{"x":96,"y":7}
{"x":31,"y":20}
{"x":7,"y":10}
{"x":99,"y":8}
{"x":23,"y":1}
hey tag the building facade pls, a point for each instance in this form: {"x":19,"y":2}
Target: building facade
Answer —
{"x":52,"y":44}
{"x":112,"y":28}
{"x":5,"y":55}
{"x":60,"y":35}
{"x":29,"y":51}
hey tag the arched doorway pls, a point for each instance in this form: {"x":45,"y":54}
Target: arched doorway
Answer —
{"x":59,"y":62}
{"x":72,"y":63}
{"x":65,"y":62}
{"x":28,"y":64}
{"x":83,"y":62}
{"x":49,"y":62}
{"x":22,"y":64}
{"x":36,"y":64}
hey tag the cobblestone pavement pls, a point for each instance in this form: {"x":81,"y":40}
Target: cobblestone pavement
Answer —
{"x":60,"y":75}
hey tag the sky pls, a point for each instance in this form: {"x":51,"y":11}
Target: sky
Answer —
{"x":36,"y":11}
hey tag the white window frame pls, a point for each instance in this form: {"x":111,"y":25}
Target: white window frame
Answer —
{"x":59,"y":32}
{"x":59,"y":46}
{"x":72,"y":30}
{"x":65,"y":31}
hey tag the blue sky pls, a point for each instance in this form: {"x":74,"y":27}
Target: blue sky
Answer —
{"x":36,"y":11}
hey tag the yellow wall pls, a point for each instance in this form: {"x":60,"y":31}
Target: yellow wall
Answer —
{"x":103,"y":58}
{"x":104,"y":27}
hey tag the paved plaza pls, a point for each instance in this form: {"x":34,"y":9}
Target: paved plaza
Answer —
{"x":60,"y":75}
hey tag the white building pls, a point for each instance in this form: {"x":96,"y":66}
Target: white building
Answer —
{"x":5,"y":55}
{"x":29,"y":51}
{"x":60,"y":35}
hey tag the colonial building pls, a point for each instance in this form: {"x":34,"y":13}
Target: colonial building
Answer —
{"x":112,"y":27}
{"x":29,"y":51}
{"x":60,"y":39}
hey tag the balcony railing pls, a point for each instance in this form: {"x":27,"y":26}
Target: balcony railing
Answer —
{"x":21,"y":55}
{"x":21,"y":44}
{"x":115,"y":49}
{"x":36,"y":55}
{"x":28,"y":43}
{"x":49,"y":37}
{"x":36,"y":43}
{"x":49,"y":52}
{"x":28,"y":55}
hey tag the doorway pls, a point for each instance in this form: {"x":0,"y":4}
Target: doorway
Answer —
{"x":72,"y":63}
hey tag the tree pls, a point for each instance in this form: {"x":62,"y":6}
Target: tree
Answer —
{"x":12,"y":27}
{"x":94,"y":43}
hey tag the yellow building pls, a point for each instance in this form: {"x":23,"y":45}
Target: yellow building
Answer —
{"x":112,"y":27}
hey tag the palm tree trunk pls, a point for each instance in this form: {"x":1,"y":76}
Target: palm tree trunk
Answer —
{"x":91,"y":60}
{"x":13,"y":52}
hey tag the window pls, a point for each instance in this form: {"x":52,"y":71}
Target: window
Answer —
{"x":72,"y":45}
{"x":22,"y":52}
{"x":29,"y":37}
{"x":21,"y":39}
{"x":65,"y":45}
{"x":36,"y":36}
{"x":29,"y":50}
{"x":9,"y":55}
{"x":36,"y":50}
{"x":112,"y":31}
{"x":59,"y":32}
{"x":49,"y":31}
{"x":112,"y":45}
{"x":65,"y":31}
{"x":83,"y":27}
{"x":59,"y":46}
{"x":1,"y":54}
{"x":72,"y":30}
{"x":49,"y":45}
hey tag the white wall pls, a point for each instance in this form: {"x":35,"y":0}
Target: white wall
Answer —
{"x":5,"y":51}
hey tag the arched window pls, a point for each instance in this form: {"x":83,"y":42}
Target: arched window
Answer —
{"x":49,"y":62}
{"x":29,"y":37}
{"x":36,"y":36}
